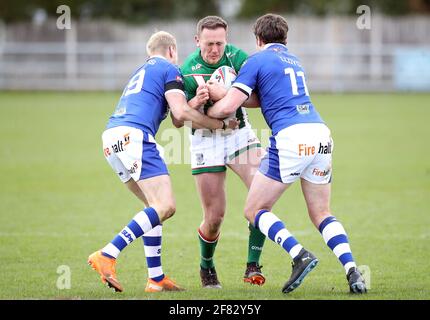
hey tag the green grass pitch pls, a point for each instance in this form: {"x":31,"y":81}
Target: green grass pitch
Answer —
{"x":60,"y":201}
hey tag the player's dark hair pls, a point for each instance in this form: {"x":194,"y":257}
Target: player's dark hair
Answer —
{"x":212,"y":23}
{"x":271,"y":28}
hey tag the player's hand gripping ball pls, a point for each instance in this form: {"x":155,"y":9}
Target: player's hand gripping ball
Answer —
{"x":225,"y":77}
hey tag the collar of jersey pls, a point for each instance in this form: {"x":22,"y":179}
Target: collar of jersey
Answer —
{"x":267,"y":45}
{"x":157,"y":56}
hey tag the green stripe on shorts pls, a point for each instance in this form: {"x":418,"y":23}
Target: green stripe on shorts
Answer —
{"x":208,"y":169}
{"x":240,"y":151}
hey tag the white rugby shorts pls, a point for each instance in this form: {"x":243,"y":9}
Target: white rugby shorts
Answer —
{"x":213,"y":151}
{"x":300,"y":151}
{"x":133,"y":153}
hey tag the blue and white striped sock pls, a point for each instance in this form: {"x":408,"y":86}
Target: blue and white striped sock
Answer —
{"x":152,"y":247}
{"x":142,"y":222}
{"x":273,"y":228}
{"x":336,"y":239}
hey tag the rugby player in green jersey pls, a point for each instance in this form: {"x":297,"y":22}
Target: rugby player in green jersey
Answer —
{"x":212,"y":152}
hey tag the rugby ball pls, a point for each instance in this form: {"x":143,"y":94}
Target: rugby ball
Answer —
{"x":224,"y":75}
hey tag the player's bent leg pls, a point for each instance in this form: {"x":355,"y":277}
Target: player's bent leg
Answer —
{"x":103,"y":261}
{"x":245,"y":165}
{"x":259,"y":198}
{"x":135,"y":189}
{"x":261,"y":201}
{"x":159,"y":194}
{"x":157,"y":280}
{"x":212,"y":196}
{"x":317,"y":197}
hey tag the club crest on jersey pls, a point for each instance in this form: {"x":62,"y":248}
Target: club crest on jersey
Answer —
{"x":303,"y":108}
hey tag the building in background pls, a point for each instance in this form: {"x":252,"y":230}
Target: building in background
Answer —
{"x":106,"y":40}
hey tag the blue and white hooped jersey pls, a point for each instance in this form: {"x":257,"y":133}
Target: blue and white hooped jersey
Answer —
{"x":143,"y":104}
{"x":279,"y":80}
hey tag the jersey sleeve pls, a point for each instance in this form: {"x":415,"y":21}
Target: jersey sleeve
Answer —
{"x":174,"y":81}
{"x":246,"y":80}
{"x":190,"y":87}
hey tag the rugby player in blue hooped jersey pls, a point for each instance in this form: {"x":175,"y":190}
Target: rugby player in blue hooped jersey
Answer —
{"x":300,"y":147}
{"x":130,"y":148}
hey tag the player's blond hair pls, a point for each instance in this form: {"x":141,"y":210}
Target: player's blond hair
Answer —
{"x":160,"y":42}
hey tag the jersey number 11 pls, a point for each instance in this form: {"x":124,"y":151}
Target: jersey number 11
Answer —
{"x":294,"y":86}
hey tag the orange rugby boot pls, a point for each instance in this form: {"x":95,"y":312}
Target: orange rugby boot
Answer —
{"x":253,"y":274}
{"x":105,"y":266}
{"x":166,"y":284}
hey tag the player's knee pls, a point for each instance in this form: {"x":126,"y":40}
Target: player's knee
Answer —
{"x":250,"y":213}
{"x":170,"y":209}
{"x":167,"y":210}
{"x":318,"y":215}
{"x":214,"y":223}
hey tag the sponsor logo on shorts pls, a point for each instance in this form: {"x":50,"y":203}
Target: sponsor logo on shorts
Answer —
{"x":303,"y":108}
{"x":127,"y":138}
{"x":306,"y":150}
{"x":325,"y":149}
{"x":252,"y":140}
{"x":200,"y":159}
{"x":106,"y":152}
{"x":120,"y":144}
{"x":294,"y":174}
{"x":319,"y":173}
{"x":133,"y":168}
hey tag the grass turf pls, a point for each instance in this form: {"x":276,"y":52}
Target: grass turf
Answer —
{"x":60,"y":201}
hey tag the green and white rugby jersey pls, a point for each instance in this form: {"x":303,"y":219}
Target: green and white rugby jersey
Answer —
{"x":196,"y":71}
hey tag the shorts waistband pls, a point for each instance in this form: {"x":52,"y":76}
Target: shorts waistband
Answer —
{"x":206,"y":133}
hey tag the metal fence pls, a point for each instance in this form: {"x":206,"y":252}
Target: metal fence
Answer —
{"x":392,"y":55}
